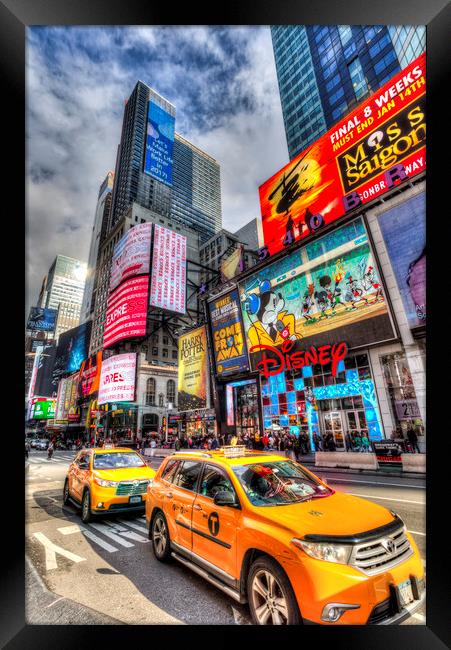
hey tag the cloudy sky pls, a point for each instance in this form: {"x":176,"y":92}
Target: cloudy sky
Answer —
{"x":222,"y":81}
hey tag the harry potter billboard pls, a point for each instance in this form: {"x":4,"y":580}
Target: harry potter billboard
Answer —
{"x":192,"y":370}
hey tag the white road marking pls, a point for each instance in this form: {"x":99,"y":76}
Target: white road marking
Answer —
{"x":345,"y":480}
{"x":419,"y":617}
{"x":103,"y":529}
{"x":132,"y":524}
{"x":127,"y":533}
{"x":52,"y":549}
{"x":373,"y":496}
{"x":69,"y":530}
{"x":416,"y":532}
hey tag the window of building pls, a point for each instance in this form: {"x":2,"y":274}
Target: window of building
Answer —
{"x":165,"y":340}
{"x":357,"y":78}
{"x":174,"y":354}
{"x":161,"y":400}
{"x":385,"y":62}
{"x":150,"y":392}
{"x":170,"y":390}
{"x":345,"y":33}
{"x":155,"y":352}
{"x":165,"y":353}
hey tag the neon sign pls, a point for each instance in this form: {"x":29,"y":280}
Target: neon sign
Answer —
{"x":286,"y":359}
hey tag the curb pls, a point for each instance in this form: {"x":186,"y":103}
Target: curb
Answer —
{"x":380,"y":472}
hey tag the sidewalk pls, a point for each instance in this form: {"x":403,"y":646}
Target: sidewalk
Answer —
{"x":309,"y":461}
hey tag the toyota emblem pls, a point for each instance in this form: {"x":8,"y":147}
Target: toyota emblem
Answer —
{"x":389,"y":545}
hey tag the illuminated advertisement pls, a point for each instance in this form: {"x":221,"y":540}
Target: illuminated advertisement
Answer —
{"x":42,"y":319}
{"x":131,"y":255}
{"x":43,"y":410}
{"x":117,"y":379}
{"x":45,"y":383}
{"x":168,"y":280}
{"x":308,"y":307}
{"x":126,"y":311}
{"x":60,"y":410}
{"x":159,"y":144}
{"x":89,"y":376}
{"x":404,"y":232}
{"x":192,"y":370}
{"x":73,"y":347}
{"x":34,"y":372}
{"x":367,"y":152}
{"x":71,"y":399}
{"x":232,"y":265}
{"x":229,"y":347}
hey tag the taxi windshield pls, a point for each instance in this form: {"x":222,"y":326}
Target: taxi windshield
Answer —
{"x":279,"y":483}
{"x":117,"y":460}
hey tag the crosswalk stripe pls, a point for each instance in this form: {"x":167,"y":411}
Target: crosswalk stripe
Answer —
{"x":104,"y":530}
{"x":126,"y":533}
{"x":140,"y":528}
{"x":77,"y":528}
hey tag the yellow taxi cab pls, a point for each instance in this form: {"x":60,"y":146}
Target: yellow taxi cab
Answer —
{"x":107,"y":480}
{"x":268,"y":532}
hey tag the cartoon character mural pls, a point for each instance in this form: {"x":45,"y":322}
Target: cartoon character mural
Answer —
{"x":272,"y":323}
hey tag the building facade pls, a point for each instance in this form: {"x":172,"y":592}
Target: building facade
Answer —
{"x":324,"y":71}
{"x":196,"y":191}
{"x":63,"y":289}
{"x":99,"y":230}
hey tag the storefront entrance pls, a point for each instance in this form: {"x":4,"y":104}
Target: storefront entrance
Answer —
{"x":341,"y":417}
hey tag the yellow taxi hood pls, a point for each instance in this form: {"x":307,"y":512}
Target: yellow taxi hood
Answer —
{"x":125,"y":473}
{"x":341,"y":514}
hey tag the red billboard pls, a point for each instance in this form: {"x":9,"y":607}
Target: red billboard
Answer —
{"x":168,"y":281}
{"x":126,"y":311}
{"x":366,"y":153}
{"x":89,"y":375}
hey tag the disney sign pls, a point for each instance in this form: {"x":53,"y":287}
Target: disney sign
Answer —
{"x":283,"y":358}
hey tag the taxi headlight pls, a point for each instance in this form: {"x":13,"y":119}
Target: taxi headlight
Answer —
{"x":339,"y":553}
{"x":103,"y":483}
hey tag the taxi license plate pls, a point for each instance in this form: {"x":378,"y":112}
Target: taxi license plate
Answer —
{"x":405,"y":592}
{"x":135,"y":499}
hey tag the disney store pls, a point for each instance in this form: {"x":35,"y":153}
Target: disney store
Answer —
{"x":296,"y":344}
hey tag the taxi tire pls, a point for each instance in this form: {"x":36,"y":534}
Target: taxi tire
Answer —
{"x":267,"y":564}
{"x":159,"y":521}
{"x":86,"y":515}
{"x":66,"y":494}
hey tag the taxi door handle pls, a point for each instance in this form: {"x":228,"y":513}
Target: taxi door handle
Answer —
{"x":169,"y":495}
{"x":197,"y":507}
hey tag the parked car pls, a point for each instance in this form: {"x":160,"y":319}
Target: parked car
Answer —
{"x":42,"y":444}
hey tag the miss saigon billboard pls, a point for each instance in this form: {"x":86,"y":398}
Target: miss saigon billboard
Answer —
{"x":366,"y":153}
{"x":168,"y":278}
{"x":326,"y":293}
{"x":131,"y":254}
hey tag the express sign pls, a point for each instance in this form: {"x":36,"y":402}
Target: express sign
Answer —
{"x":379,"y":144}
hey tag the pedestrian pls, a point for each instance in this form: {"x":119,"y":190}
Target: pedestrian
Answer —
{"x":348,"y":441}
{"x":413,"y":439}
{"x":50,"y":450}
{"x":233,"y":440}
{"x":27,"y":449}
{"x":153,"y":446}
{"x":365,"y":443}
{"x":357,"y":441}
{"x":177,"y":444}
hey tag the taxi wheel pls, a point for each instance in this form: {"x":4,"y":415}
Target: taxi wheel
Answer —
{"x":86,"y":515}
{"x":66,"y":494}
{"x":270,"y":595}
{"x":160,"y":538}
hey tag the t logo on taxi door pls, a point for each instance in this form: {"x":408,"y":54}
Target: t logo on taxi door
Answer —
{"x":213,"y":523}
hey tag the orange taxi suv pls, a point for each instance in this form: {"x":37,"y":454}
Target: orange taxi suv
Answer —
{"x":107,"y":481}
{"x":269,"y":533}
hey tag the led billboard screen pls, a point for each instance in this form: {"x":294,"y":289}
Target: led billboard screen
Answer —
{"x":159,"y":143}
{"x":192,"y":370}
{"x":126,"y":311}
{"x":43,"y":410}
{"x":73,"y":347}
{"x":325,"y":293}
{"x":362,"y":156}
{"x":131,"y":254}
{"x":117,"y":379}
{"x":229,"y":346}
{"x":404,"y":231}
{"x":45,"y":383}
{"x":89,"y":376}
{"x":42,"y":319}
{"x":168,"y":279}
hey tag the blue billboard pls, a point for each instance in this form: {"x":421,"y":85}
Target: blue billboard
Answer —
{"x":42,"y":319}
{"x":159,"y":144}
{"x":73,"y":348}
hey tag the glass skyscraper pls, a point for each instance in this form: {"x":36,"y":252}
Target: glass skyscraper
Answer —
{"x":325,"y":71}
{"x":191,"y":195}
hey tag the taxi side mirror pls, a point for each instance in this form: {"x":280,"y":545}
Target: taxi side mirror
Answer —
{"x":225,"y":498}
{"x":83,"y":465}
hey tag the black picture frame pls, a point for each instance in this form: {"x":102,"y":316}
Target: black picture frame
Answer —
{"x":15,"y":16}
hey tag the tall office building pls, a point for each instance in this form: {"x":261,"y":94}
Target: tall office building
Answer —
{"x":196,"y":193}
{"x":325,"y":71}
{"x":99,"y":230}
{"x":160,"y":170}
{"x":63,"y":289}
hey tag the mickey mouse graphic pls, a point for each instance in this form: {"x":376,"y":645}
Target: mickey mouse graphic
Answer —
{"x":273,"y":325}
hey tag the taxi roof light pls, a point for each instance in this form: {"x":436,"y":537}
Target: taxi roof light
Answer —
{"x":233,"y":451}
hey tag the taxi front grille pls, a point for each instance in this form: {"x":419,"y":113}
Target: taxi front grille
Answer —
{"x":381,"y":554}
{"x":129,"y":488}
